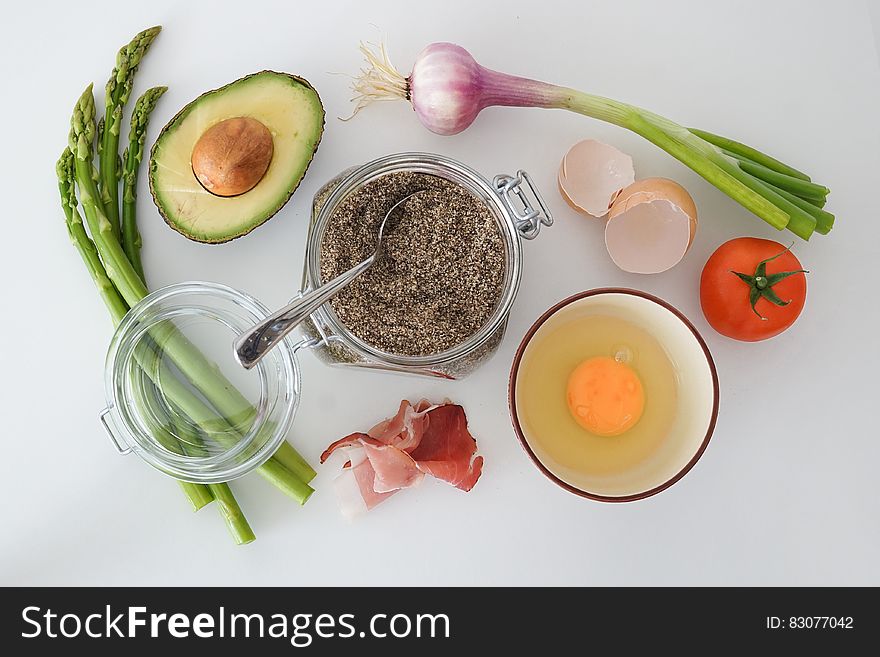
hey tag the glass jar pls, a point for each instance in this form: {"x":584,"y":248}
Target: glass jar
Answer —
{"x":177,"y":397}
{"x":519,"y":212}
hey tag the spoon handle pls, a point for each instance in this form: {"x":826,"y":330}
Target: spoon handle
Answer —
{"x":253,"y":345}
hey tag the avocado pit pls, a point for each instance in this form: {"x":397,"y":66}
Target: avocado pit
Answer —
{"x":232,"y":156}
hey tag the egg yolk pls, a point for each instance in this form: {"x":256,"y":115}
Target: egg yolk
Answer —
{"x":605,"y":396}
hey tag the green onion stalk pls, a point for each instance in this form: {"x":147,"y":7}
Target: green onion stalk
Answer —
{"x":448,"y":89}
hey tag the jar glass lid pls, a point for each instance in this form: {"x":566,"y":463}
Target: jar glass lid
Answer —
{"x":177,"y":397}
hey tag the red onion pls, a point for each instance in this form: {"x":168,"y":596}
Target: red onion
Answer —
{"x":448,"y":88}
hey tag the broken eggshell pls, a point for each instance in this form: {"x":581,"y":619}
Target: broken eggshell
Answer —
{"x":651,"y":225}
{"x":592,"y":174}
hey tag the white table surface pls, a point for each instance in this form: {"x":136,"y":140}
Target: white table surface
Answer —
{"x":786,"y":492}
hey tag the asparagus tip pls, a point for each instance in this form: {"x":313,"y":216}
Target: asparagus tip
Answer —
{"x":62,"y":166}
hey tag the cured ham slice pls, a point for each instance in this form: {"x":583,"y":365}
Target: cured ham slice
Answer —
{"x":354,"y":490}
{"x":421,"y":439}
{"x":394,"y":468}
{"x":405,"y":429}
{"x":446,"y":450}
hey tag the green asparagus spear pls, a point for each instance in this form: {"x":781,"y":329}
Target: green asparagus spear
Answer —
{"x":65,"y":170}
{"x":198,"y":494}
{"x":119,"y":281}
{"x":131,"y":238}
{"x":192,"y":364}
{"x":195,"y":366}
{"x":82,"y":134}
{"x":227,"y":505}
{"x":286,"y":468}
{"x":118,"y":91}
{"x":232,"y":514}
{"x":182,"y":437}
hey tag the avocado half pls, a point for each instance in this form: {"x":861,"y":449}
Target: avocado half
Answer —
{"x":287,"y":105}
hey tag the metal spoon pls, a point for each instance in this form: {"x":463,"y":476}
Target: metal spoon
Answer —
{"x":253,"y":345}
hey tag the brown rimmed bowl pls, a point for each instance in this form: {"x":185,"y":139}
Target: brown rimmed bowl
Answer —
{"x":697,"y":397}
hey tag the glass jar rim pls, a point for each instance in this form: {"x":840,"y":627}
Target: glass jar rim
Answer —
{"x":158,"y":307}
{"x":472,"y":180}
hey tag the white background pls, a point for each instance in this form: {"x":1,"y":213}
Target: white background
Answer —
{"x":786,"y":492}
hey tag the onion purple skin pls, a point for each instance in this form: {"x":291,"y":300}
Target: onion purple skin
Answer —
{"x":448,"y":89}
{"x":444,"y":88}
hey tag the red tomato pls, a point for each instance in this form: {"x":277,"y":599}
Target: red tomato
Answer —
{"x":738,"y":298}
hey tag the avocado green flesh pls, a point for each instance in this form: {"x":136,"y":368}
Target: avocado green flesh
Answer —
{"x":288,"y":106}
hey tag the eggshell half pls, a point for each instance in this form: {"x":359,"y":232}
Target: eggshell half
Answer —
{"x":648,"y":237}
{"x":591,"y":175}
{"x":653,"y":189}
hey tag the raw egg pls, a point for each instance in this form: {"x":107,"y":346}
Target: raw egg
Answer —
{"x":605,"y":396}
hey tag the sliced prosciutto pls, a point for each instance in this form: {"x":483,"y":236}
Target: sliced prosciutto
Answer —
{"x":354,"y":489}
{"x":447,"y":450}
{"x":421,"y":439}
{"x":405,"y":429}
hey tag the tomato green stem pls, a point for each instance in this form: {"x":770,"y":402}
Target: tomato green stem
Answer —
{"x":761,"y":283}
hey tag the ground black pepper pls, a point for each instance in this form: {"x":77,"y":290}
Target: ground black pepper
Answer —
{"x":442,"y":269}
